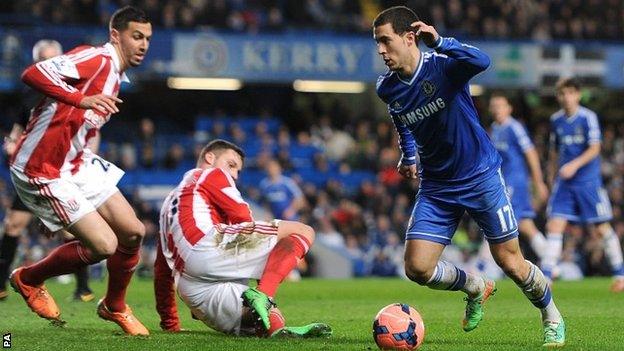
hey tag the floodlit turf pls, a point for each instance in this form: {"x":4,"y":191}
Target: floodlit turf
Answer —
{"x":595,"y":319}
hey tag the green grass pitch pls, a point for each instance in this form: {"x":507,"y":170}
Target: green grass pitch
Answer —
{"x":594,"y":317}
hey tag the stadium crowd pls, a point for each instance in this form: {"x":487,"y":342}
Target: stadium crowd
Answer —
{"x":524,"y":19}
{"x":363,"y":217}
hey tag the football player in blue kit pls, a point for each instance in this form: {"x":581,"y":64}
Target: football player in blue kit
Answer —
{"x":517,"y":152}
{"x":459,"y":168}
{"x":578,"y":194}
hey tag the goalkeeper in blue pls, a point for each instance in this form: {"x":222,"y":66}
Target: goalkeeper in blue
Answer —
{"x":444,"y":145}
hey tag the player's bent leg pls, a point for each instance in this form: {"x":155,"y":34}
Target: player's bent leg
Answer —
{"x":294,"y":241}
{"x":554,"y":245}
{"x":97,"y":241}
{"x":423,"y":267}
{"x":120,"y":215}
{"x":613,"y":253}
{"x":14,"y":223}
{"x":535,"y":287}
{"x":421,"y":258}
{"x":129,"y":230}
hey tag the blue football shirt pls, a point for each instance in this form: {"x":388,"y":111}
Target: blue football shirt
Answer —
{"x":279,"y":194}
{"x":436,"y":119}
{"x":512,"y":141}
{"x":572,"y":135}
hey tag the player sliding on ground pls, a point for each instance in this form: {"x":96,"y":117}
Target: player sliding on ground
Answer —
{"x":210,"y":247}
{"x":66,"y":185}
{"x":428,"y":99}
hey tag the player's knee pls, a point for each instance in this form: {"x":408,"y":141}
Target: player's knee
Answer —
{"x":104,"y":249}
{"x":308,"y":232}
{"x":135,"y":235}
{"x":416,"y":273}
{"x":554,"y":227}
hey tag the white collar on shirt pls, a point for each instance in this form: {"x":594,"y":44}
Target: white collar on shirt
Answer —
{"x":116,"y":63}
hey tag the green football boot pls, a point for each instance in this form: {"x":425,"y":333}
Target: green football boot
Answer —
{"x":474,"y":307}
{"x":259,"y":303}
{"x":554,"y":334}
{"x":314,"y":330}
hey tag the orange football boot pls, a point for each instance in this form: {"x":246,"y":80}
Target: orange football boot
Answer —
{"x":126,"y":320}
{"x":618,"y":285}
{"x":37,"y":297}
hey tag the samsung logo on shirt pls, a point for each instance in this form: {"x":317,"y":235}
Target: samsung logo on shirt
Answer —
{"x":573,"y":139}
{"x":422,"y":112}
{"x":502,"y":146}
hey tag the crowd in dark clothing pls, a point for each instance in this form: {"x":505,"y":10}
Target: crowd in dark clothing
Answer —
{"x":364,"y":218}
{"x":522,"y":19}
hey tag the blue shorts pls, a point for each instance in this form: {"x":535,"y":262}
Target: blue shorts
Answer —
{"x":518,"y":190}
{"x":435,"y":217}
{"x":583,"y":203}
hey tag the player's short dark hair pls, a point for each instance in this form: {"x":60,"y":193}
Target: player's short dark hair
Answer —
{"x":401,"y":18}
{"x":498,"y":94}
{"x":218,"y":146}
{"x":122,"y":17}
{"x":568,"y":83}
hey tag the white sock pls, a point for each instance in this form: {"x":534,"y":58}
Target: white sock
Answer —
{"x":613,"y":252}
{"x":539,"y":244}
{"x":447,"y":276}
{"x":475,"y":285}
{"x":552,"y":254}
{"x":535,"y":287}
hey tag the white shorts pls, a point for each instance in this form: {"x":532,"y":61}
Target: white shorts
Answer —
{"x":218,"y":270}
{"x":61,"y":202}
{"x":218,"y":304}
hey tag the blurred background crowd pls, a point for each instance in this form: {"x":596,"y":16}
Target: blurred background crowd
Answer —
{"x":346,"y":186}
{"x":541,"y":20}
{"x":338,"y":166}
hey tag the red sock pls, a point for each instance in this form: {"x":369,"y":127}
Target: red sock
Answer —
{"x":65,"y":259}
{"x":282,"y":259}
{"x":120,"y":266}
{"x":165,"y":293}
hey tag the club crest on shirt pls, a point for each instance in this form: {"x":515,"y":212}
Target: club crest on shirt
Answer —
{"x":396,"y":105}
{"x":428,"y":88}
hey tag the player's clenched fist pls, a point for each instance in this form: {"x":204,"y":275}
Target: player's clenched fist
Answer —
{"x":425,"y":32}
{"x":409,"y":172}
{"x":102,"y":102}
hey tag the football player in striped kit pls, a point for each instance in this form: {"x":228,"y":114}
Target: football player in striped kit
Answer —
{"x":67,"y":186}
{"x":210,"y":246}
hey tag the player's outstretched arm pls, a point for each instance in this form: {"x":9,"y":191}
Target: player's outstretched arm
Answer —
{"x":466,"y":60}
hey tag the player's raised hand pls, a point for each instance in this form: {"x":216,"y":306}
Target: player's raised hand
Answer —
{"x":102,"y":102}
{"x":425,"y":32}
{"x":409,"y":172}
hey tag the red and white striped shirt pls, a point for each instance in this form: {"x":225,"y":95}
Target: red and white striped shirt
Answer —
{"x":58,"y":130}
{"x":204,"y":199}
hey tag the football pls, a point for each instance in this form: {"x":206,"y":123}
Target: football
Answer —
{"x":398,"y":327}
